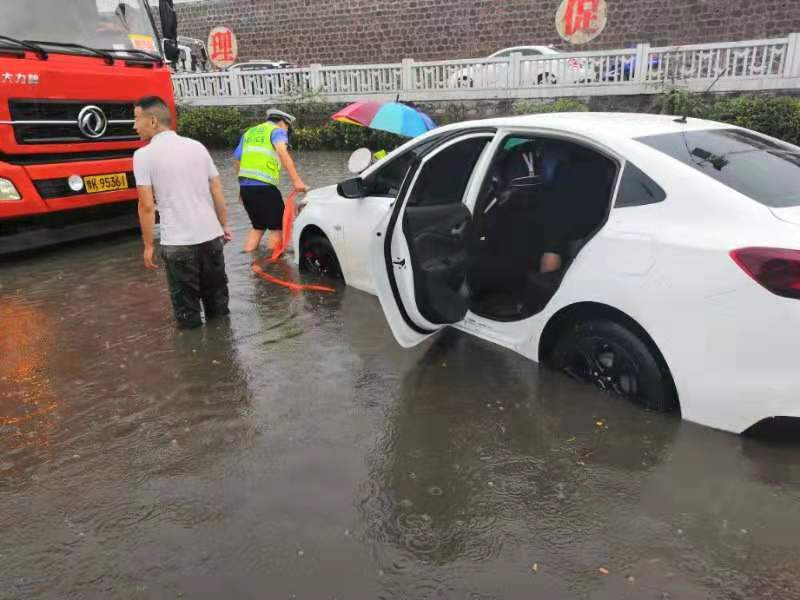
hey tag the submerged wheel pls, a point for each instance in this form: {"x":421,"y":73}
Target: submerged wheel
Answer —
{"x":319,"y":257}
{"x":615,"y":359}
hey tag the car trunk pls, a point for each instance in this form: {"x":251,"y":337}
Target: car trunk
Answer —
{"x":789,"y":214}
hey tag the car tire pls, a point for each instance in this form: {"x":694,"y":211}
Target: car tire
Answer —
{"x":547,"y":78}
{"x":318,"y":256}
{"x":615,"y":359}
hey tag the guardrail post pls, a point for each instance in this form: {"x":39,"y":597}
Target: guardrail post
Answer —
{"x":514,"y":70}
{"x":642,"y":62}
{"x":235,"y":92}
{"x":316,"y":79}
{"x":791,"y":66}
{"x":408,"y":75}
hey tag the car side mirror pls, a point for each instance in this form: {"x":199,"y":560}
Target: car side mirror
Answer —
{"x":359,"y":160}
{"x":169,"y":29}
{"x":352,"y":188}
{"x":171,"y":51}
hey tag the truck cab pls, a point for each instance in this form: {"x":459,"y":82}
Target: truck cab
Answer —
{"x":70,"y":73}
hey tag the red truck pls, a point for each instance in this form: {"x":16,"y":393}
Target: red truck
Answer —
{"x":70,"y":72}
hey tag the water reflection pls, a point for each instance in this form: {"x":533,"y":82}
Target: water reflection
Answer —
{"x":27,"y":339}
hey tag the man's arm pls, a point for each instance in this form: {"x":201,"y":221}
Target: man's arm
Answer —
{"x":220,"y":207}
{"x":288,"y":164}
{"x":147,"y":221}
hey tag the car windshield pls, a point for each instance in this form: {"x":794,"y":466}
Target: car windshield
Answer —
{"x":103,"y":24}
{"x":765,"y":170}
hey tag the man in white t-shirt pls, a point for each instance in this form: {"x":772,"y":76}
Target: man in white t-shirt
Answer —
{"x":178,"y":175}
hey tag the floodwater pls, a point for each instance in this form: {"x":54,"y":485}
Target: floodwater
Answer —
{"x":295,"y":451}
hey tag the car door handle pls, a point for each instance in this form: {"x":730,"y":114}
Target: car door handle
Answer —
{"x":459,"y":231}
{"x":399,"y":263}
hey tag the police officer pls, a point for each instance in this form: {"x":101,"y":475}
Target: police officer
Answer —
{"x":261,"y":153}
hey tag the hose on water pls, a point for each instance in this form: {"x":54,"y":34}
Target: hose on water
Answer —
{"x":286,"y":238}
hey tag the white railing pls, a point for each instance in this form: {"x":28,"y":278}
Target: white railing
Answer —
{"x":272,"y":84}
{"x":765,"y":58}
{"x":751,"y":65}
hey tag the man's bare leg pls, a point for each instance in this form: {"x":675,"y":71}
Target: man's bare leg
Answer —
{"x":274,"y":240}
{"x":253,"y":240}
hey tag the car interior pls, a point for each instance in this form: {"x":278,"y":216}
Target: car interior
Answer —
{"x":540,"y":202}
{"x":541,"y":198}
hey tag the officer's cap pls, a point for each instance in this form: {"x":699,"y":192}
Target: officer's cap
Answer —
{"x":274,"y":113}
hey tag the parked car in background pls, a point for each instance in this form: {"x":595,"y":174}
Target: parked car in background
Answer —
{"x":270,"y":77}
{"x":261,"y":65}
{"x":541,"y":65}
{"x":678,"y":285}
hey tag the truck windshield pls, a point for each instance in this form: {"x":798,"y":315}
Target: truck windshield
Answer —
{"x":103,"y":24}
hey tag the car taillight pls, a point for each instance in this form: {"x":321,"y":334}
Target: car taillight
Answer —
{"x":776,"y":269}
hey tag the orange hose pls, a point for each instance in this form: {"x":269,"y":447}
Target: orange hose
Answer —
{"x":286,"y":238}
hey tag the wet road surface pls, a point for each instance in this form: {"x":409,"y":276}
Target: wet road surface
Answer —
{"x":295,"y":451}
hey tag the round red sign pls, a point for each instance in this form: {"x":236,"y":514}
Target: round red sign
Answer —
{"x":580,"y":21}
{"x":222,"y":47}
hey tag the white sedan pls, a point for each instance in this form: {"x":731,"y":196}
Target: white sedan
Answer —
{"x":656,"y":257}
{"x":540,"y":65}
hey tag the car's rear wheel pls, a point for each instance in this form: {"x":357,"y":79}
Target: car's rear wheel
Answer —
{"x":547,"y":78}
{"x":615,"y":359}
{"x":319,"y":257}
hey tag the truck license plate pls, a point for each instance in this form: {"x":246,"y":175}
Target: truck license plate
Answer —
{"x":106,"y":183}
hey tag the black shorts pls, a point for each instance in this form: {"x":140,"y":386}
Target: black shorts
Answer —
{"x":264,"y":206}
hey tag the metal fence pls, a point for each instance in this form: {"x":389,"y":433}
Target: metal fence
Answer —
{"x":734,"y":66}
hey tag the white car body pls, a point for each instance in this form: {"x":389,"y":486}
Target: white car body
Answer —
{"x":730,"y":344}
{"x":260,"y":65}
{"x":536,"y":69}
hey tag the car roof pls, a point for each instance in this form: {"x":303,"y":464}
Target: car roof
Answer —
{"x":260,"y":62}
{"x":543,"y":49}
{"x":601,"y":126}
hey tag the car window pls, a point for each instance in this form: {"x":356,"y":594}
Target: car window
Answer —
{"x":530,"y":52}
{"x":502,"y":54}
{"x":637,"y":189}
{"x":387,"y":179}
{"x":760,"y":168}
{"x":444,"y":178}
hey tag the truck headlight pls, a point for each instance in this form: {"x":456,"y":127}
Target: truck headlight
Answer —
{"x":8,"y":191}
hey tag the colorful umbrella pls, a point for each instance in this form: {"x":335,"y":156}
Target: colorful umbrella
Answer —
{"x":394,"y":117}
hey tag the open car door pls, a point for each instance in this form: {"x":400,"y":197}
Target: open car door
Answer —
{"x":418,"y":252}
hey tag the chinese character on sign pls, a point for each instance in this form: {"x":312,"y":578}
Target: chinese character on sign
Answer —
{"x":21,"y":78}
{"x":581,"y":16}
{"x":580,"y":21}
{"x":7,"y":77}
{"x":33,"y":79}
{"x":222,"y":47}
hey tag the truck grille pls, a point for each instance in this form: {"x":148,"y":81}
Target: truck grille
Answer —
{"x":59,"y":188}
{"x":56,"y":122}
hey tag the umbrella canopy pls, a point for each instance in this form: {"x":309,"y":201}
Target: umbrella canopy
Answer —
{"x":394,"y":117}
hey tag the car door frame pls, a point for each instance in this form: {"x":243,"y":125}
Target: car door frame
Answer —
{"x":519,"y":335}
{"x":390,"y":251}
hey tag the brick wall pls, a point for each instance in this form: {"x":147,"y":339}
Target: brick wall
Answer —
{"x":372,"y":31}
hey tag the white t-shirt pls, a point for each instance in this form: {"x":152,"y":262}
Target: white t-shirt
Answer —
{"x":179,"y":170}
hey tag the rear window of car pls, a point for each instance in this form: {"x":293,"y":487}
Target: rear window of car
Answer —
{"x":762,"y":169}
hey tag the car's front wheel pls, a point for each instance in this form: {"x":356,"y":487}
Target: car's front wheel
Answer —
{"x":318,"y":257}
{"x":615,"y":359}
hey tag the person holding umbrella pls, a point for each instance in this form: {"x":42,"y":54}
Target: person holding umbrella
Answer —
{"x":261,"y":153}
